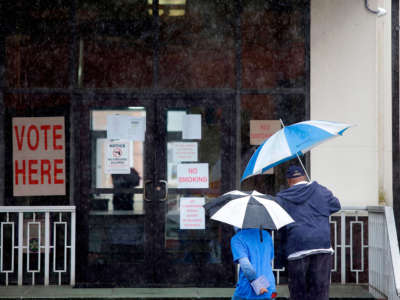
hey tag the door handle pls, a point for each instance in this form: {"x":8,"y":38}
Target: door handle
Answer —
{"x":146,"y":182}
{"x":166,"y":191}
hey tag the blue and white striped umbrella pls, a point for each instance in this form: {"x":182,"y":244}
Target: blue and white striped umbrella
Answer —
{"x":290,"y":142}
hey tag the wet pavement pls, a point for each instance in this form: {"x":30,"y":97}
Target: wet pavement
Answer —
{"x":65,"y":292}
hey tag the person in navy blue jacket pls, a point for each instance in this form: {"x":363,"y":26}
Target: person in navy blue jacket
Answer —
{"x":307,"y":241}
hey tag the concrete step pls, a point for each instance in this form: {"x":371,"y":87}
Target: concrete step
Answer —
{"x":343,"y":292}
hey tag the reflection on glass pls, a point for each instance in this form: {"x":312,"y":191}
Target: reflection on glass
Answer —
{"x":123,"y":200}
{"x":195,"y":246}
{"x":39,"y":41}
{"x":116,"y":43}
{"x":113,"y":238}
{"x":289,"y":108}
{"x":99,"y":124}
{"x":204,"y":150}
{"x":197,"y":44}
{"x":273,"y":44}
{"x":171,"y":8}
{"x":117,"y":217}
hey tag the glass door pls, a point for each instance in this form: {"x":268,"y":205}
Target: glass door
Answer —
{"x":118,"y":171}
{"x":193,"y":166}
{"x":153,"y":163}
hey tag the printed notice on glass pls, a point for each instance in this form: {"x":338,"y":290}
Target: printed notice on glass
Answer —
{"x":136,"y":129}
{"x":192,"y":176}
{"x":192,"y":215}
{"x":191,"y":127}
{"x":117,"y":158}
{"x":260,"y":130}
{"x":182,"y":151}
{"x":126,"y":127}
{"x":175,"y":120}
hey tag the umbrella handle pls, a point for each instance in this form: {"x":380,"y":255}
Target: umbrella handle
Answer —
{"x":301,"y":163}
{"x":261,"y":235}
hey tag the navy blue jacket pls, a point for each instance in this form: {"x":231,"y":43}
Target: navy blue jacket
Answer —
{"x":310,"y":205}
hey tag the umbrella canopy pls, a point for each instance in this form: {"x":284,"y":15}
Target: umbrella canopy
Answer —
{"x":248,"y":210}
{"x":290,"y":142}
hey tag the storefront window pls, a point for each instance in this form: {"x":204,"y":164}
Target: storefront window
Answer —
{"x":197,"y":46}
{"x":273,"y":44}
{"x":37,"y":43}
{"x":115,"y":45}
{"x":224,"y":65}
{"x":269,"y":111}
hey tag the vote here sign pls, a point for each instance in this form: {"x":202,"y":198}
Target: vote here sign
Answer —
{"x":38,"y":156}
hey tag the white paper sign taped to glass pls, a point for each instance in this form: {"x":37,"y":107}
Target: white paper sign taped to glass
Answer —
{"x":193,"y":176}
{"x":191,"y":127}
{"x":126,"y":127}
{"x":38,"y":156}
{"x":117,"y":159}
{"x":184,"y":151}
{"x":192,"y":215}
{"x":175,"y":120}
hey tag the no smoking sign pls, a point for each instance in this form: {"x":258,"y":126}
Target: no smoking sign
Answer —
{"x":117,"y":152}
{"x":117,"y":158}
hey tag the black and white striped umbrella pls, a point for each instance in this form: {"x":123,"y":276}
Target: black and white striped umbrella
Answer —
{"x":248,"y":210}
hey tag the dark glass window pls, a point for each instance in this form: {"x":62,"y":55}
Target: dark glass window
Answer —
{"x":290,"y":109}
{"x":197,"y":46}
{"x":38,"y":35}
{"x":273,"y":44}
{"x":115,"y":44}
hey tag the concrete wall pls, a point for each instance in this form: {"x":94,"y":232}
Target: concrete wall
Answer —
{"x":350,"y":82}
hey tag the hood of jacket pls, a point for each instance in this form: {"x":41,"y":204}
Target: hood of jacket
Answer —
{"x":300,"y":193}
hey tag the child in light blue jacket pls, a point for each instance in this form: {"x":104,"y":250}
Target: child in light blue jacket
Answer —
{"x":256,"y":279}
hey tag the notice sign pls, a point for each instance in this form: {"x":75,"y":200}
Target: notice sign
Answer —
{"x":126,"y":127}
{"x":38,"y":156}
{"x":182,"y":151}
{"x":192,"y":215}
{"x":117,"y":157}
{"x":192,"y":176}
{"x":260,"y":130}
{"x":191,"y":127}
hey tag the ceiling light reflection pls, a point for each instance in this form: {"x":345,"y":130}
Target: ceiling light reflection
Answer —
{"x":176,"y":12}
{"x":168,"y":2}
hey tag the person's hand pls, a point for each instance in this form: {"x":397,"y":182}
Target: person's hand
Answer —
{"x":263,"y":290}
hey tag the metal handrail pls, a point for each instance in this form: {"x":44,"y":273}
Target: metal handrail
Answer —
{"x":21,"y":245}
{"x":14,"y":209}
{"x":343,"y":245}
{"x":393,"y":244}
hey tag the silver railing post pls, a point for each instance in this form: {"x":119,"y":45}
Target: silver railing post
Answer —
{"x":47,"y":248}
{"x":73,"y":231}
{"x":343,"y":247}
{"x":20,"y":246}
